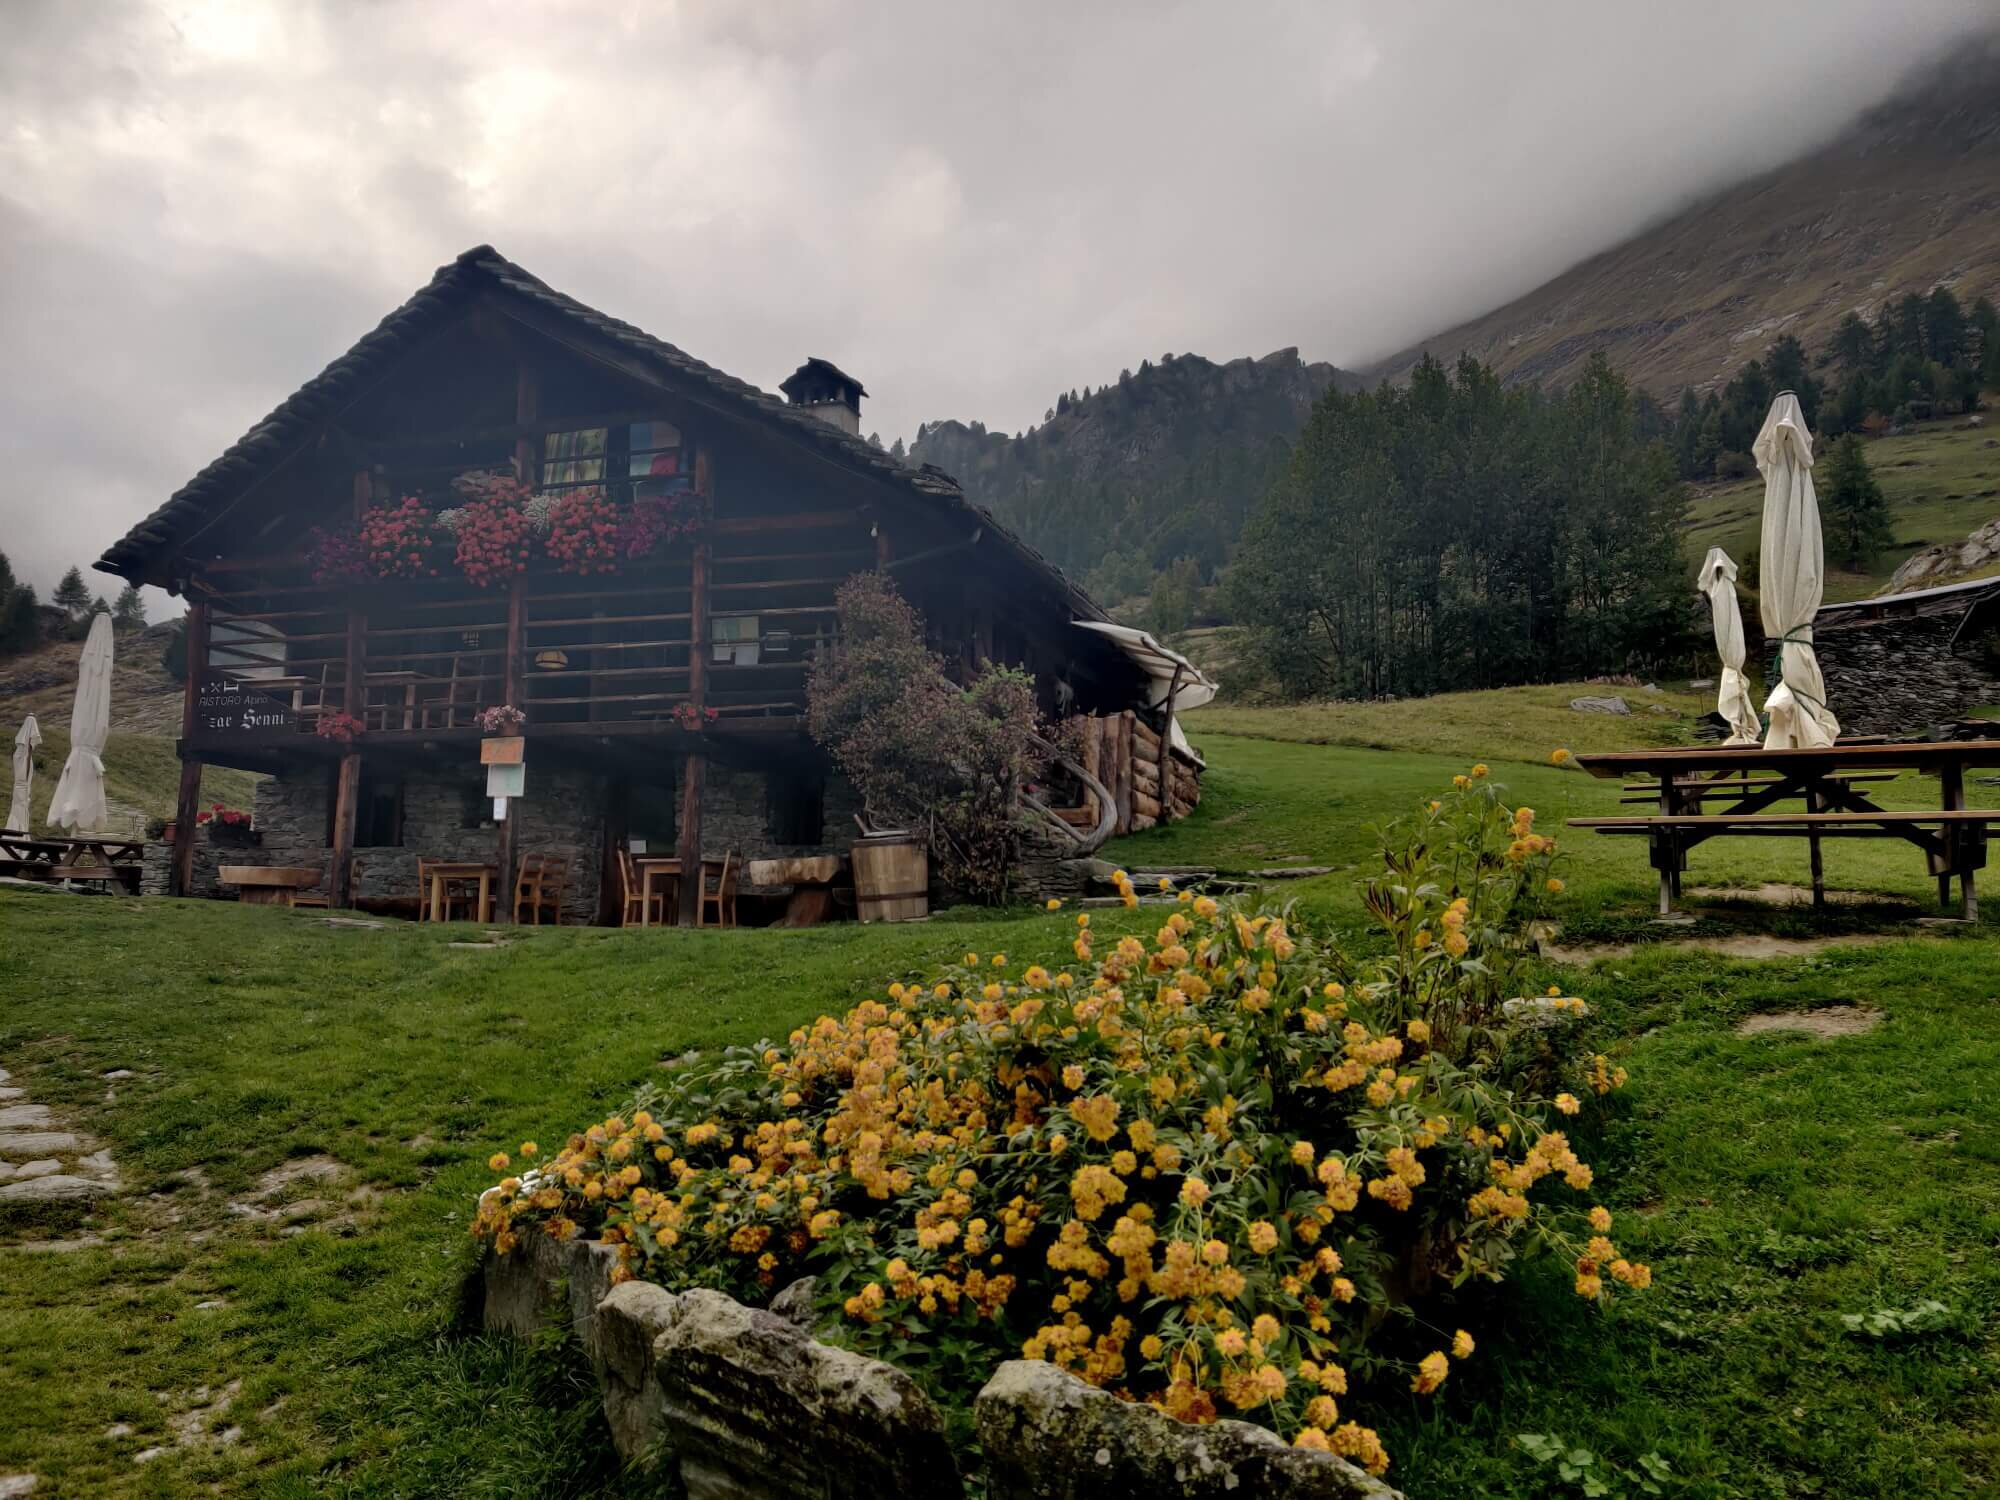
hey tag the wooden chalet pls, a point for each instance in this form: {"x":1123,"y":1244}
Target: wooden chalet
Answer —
{"x":664,"y":687}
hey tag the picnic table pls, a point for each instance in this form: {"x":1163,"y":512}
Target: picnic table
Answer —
{"x":268,"y":885}
{"x":95,"y":857}
{"x":1743,"y":782}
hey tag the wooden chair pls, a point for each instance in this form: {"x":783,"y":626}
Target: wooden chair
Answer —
{"x":632,"y":911}
{"x":322,"y":895}
{"x":538,"y":886}
{"x":723,"y":898}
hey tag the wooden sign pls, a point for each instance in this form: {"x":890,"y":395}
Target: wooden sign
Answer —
{"x":503,"y":750}
{"x":226,"y":705}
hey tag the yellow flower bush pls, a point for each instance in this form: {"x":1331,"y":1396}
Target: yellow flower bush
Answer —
{"x":1212,"y":1170}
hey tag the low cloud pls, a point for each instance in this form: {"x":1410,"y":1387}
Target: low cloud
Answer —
{"x":970,"y":207}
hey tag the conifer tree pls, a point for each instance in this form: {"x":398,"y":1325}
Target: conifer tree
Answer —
{"x":72,"y":594}
{"x":1857,"y":515}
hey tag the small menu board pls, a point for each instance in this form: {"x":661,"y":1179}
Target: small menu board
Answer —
{"x":237,"y":705}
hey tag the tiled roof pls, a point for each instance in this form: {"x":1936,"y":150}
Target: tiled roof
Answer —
{"x":484,"y":269}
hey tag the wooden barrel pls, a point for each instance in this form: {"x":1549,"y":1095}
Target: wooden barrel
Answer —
{"x":891,"y":878}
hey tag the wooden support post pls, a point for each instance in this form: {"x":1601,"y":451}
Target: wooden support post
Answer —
{"x":882,"y":552}
{"x":346,"y":804}
{"x":1167,"y":749}
{"x":510,"y":691}
{"x":1666,"y":853}
{"x":1127,"y":748}
{"x":528,"y":469}
{"x":694,"y":770}
{"x":187,"y":802}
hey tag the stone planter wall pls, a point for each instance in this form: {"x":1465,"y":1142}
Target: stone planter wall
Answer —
{"x":734,"y":1402}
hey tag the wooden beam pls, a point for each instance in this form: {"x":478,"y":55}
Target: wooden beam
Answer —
{"x":180,"y":875}
{"x":346,"y":805}
{"x":882,"y":549}
{"x":1167,"y":741}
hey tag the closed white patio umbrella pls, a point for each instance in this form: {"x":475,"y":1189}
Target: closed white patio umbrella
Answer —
{"x":1791,"y":579}
{"x":21,"y":808}
{"x":79,"y":800}
{"x":1732,"y":699}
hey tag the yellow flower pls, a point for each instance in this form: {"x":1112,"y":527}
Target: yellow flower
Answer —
{"x":1072,"y":1076}
{"x":497,"y":1161}
{"x":1312,"y":1437}
{"x":1150,"y":1346}
{"x":1431,"y":1371}
{"x":999,"y":960}
{"x":1194,"y":1192}
{"x":1231,"y":1342}
{"x":1462,"y":1345}
{"x":1302,"y":1153}
{"x":1600,"y":1219}
{"x":1215,"y":1253}
{"x":529,"y":1148}
{"x":1418,"y":1031}
{"x":1479,"y":770}
{"x":1263,"y":1237}
{"x":972,"y":958}
{"x":1559,"y":757}
{"x":1264,"y":1329}
{"x":1567,"y":1103}
{"x":1166,"y":884}
{"x":1054,"y":903}
{"x":1555,"y":886}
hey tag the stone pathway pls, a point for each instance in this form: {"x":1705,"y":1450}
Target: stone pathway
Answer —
{"x":43,"y":1162}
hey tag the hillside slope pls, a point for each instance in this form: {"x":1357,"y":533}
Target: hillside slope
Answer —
{"x":1167,"y":463}
{"x":141,"y":771}
{"x":1907,"y":198}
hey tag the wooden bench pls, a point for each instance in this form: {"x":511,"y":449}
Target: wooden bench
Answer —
{"x":268,"y":885}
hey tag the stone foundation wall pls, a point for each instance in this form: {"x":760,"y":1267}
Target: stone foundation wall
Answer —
{"x":563,"y":813}
{"x":1901,"y":675}
{"x":722,"y":1400}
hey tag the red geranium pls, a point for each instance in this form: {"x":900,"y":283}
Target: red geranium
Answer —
{"x":584,"y":532}
{"x":495,"y":535}
{"x":400,"y":540}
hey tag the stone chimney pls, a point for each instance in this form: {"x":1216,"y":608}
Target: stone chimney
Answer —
{"x":828,"y":392}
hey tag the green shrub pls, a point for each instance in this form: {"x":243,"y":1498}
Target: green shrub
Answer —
{"x":1209,"y":1171}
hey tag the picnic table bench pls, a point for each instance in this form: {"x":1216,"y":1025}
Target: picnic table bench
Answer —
{"x":89,"y":857}
{"x":1685,"y":783}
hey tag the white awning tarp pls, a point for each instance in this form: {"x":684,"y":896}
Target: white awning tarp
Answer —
{"x":1732,"y":699}
{"x":78,"y":804}
{"x":1791,"y":579}
{"x":1160,"y":664}
{"x":21,"y":809}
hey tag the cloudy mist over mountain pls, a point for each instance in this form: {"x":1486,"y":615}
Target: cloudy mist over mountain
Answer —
{"x":971,"y":208}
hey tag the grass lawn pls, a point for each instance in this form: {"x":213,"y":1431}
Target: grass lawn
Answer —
{"x":1776,"y":1183}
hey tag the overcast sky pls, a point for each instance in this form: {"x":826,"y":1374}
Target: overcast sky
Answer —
{"x":969,"y":206}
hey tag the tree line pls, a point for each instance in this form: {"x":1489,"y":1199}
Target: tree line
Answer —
{"x":1455,"y":533}
{"x":1923,"y":357}
{"x":26,"y":623}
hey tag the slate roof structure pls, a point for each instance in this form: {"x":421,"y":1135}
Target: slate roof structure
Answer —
{"x":482,"y":270}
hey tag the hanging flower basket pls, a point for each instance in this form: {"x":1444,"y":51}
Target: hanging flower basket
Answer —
{"x":693,"y":719}
{"x":339,"y":726}
{"x":501,"y":719}
{"x":229,"y":826}
{"x":494,"y":529}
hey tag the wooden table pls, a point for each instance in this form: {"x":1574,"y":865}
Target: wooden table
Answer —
{"x":268,"y":885}
{"x":665,"y":866}
{"x":441,"y":872}
{"x":811,"y":878}
{"x":1750,"y":780}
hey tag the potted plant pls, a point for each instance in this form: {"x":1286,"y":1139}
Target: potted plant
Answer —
{"x":693,"y":719}
{"x":159,"y":830}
